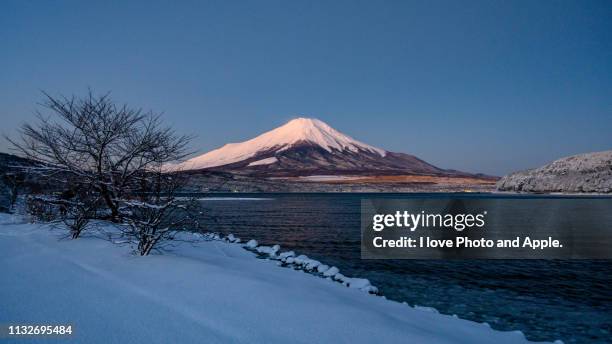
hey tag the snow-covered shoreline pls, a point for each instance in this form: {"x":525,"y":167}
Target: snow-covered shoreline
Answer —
{"x":208,"y":291}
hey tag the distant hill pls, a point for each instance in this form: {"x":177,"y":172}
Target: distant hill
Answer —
{"x":9,"y":171}
{"x":588,"y":173}
{"x":8,"y":160}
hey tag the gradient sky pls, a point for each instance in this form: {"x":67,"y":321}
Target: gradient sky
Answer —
{"x":490,"y":86}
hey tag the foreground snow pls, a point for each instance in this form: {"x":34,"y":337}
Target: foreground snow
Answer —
{"x":209,"y":291}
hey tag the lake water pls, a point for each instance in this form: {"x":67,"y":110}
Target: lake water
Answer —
{"x":546,"y":299}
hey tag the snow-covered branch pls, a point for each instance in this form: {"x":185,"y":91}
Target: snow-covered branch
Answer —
{"x":100,"y":144}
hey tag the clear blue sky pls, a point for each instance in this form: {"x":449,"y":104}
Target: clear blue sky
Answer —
{"x":490,"y":86}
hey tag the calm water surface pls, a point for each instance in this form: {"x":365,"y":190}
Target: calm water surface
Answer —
{"x":547,"y":300}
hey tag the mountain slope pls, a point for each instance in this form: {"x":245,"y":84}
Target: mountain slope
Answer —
{"x":305,"y":146}
{"x":589,"y":172}
{"x":296,"y":132}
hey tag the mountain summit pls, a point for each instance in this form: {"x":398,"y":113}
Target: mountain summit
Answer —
{"x":296,"y":132}
{"x":307,"y":146}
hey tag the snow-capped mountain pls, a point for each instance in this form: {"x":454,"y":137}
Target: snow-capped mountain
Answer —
{"x":306,"y":146}
{"x":295,"y":132}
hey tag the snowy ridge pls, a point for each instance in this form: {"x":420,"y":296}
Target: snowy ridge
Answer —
{"x":300,"y":130}
{"x":301,"y":262}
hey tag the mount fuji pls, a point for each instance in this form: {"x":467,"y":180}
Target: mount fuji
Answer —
{"x":308,"y":147}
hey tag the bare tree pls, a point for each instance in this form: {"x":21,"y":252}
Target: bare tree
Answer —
{"x":100,"y":144}
{"x":78,"y":206}
{"x":74,"y":208}
{"x":156,"y":214}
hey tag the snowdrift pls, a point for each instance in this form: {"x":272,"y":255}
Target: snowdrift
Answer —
{"x":210,"y":291}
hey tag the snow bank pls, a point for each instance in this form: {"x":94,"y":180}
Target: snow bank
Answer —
{"x":251,"y":243}
{"x":269,"y":250}
{"x":211,"y":291}
{"x":231,"y":238}
{"x":331,"y":272}
{"x":302,"y":262}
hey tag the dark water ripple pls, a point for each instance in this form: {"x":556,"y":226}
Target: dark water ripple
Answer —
{"x":546,"y":299}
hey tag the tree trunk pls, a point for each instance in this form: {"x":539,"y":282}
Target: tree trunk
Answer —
{"x":110,"y":203}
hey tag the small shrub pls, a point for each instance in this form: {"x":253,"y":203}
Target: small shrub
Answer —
{"x":40,"y":209}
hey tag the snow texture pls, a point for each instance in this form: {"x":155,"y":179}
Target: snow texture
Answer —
{"x":266,"y":161}
{"x":211,"y":291}
{"x":582,"y":173}
{"x":251,"y":243}
{"x":331,"y":272}
{"x":295,"y":131}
